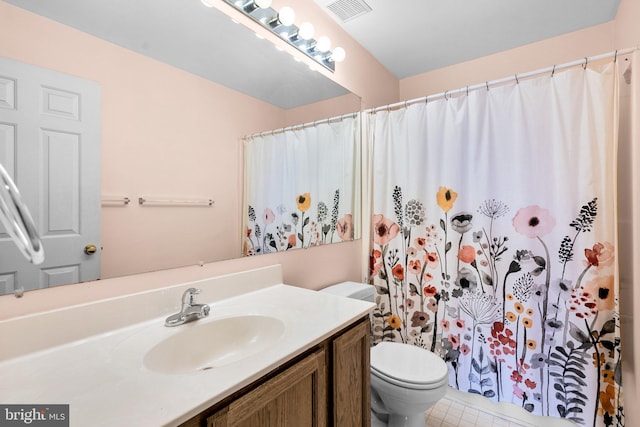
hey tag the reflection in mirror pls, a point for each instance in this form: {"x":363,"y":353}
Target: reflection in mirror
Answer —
{"x":301,"y":186}
{"x":17,"y":221}
{"x":177,"y":91}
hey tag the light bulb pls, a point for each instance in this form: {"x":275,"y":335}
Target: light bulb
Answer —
{"x":263,"y":4}
{"x":306,"y":31}
{"x":324,"y":44}
{"x":286,"y":16}
{"x":208,"y":3}
{"x":338,"y":54}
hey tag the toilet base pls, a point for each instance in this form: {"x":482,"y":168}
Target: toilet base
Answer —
{"x":395,"y":420}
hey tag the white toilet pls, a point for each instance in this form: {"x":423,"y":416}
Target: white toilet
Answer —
{"x":405,"y":380}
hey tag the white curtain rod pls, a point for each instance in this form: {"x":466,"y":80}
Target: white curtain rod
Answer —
{"x":516,"y":77}
{"x":302,"y":126}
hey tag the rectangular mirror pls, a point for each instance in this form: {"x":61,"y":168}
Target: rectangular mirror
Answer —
{"x":179,"y":86}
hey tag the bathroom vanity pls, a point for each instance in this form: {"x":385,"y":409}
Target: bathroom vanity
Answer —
{"x":268,"y":354}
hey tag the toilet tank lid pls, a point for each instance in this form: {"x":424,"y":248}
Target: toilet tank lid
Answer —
{"x":355,"y":290}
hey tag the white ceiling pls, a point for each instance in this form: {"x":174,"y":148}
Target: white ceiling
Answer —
{"x":407,"y":36}
{"x":411,"y":37}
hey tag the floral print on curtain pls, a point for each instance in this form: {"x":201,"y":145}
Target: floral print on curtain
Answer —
{"x":517,"y":292}
{"x":301,"y":186}
{"x":296,"y":228}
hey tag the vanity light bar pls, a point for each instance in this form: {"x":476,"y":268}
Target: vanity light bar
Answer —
{"x":281,"y":24}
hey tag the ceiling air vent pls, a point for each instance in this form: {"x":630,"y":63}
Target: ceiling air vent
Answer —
{"x":347,"y":10}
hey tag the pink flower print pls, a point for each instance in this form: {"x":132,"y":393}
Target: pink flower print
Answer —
{"x":420,"y":243}
{"x":427,"y":277}
{"x":385,"y":230}
{"x":432,"y":305}
{"x":517,"y":391}
{"x":533,"y":221}
{"x":268,"y":216}
{"x":602,"y":289}
{"x":344,"y":227}
{"x":292,"y":240}
{"x":460,"y":323}
{"x":411,"y":251}
{"x":465,"y":349}
{"x":415,"y":266}
{"x":431,"y":259}
{"x":444,"y":324}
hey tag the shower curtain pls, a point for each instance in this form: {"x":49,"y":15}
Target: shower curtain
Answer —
{"x":494,"y":240}
{"x":300,"y":186}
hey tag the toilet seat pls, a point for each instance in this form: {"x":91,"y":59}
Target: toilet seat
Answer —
{"x":408,"y":366}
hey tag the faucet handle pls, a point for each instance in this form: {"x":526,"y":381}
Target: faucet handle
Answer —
{"x":189,"y":296}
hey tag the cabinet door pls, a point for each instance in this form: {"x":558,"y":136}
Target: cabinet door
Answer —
{"x":295,"y":397}
{"x":351,"y":377}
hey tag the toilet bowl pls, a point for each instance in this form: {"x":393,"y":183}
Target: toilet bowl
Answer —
{"x":405,"y":380}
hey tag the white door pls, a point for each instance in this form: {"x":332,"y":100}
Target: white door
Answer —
{"x":50,"y":145}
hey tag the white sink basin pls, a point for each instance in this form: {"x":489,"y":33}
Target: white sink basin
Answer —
{"x":212,"y":344}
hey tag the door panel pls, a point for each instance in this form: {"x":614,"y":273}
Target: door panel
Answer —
{"x":50,"y":145}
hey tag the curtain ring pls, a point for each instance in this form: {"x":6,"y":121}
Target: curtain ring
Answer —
{"x":586,"y":60}
{"x":554,"y":70}
{"x":517,"y":81}
{"x":405,"y":104}
{"x":445,"y":95}
{"x":615,"y":56}
{"x":467,"y":90}
{"x":487,"y":83}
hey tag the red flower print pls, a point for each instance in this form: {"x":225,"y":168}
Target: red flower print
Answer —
{"x":398,"y":272}
{"x":602,"y":255}
{"x":516,"y":376}
{"x":292,"y":240}
{"x":530,"y":384}
{"x":430,"y":291}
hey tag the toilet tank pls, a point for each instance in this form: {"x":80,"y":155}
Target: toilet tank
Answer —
{"x":355,"y":290}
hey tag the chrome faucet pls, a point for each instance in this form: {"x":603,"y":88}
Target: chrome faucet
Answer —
{"x":190,"y":310}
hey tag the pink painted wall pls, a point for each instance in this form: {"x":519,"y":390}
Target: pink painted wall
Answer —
{"x":139,"y":94}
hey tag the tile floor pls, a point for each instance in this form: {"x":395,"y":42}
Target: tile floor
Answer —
{"x":449,"y":413}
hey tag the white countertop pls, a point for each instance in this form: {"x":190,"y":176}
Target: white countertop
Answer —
{"x":103,"y":378}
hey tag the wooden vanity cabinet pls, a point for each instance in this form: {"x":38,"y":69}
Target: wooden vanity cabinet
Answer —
{"x":326,"y":386}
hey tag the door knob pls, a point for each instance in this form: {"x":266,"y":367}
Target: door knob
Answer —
{"x":90,"y":249}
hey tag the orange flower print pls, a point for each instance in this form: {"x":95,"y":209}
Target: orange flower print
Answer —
{"x":292,"y":240}
{"x":601,"y":288}
{"x":394,"y":321}
{"x":420,"y":243}
{"x":467,"y":254}
{"x":398,"y":272}
{"x":384,"y":230}
{"x":532,"y":344}
{"x":304,"y":202}
{"x":607,"y":398}
{"x":446,"y":197}
{"x":519,"y":308}
{"x":511,"y":317}
{"x":533,"y":221}
{"x":528,"y":323}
